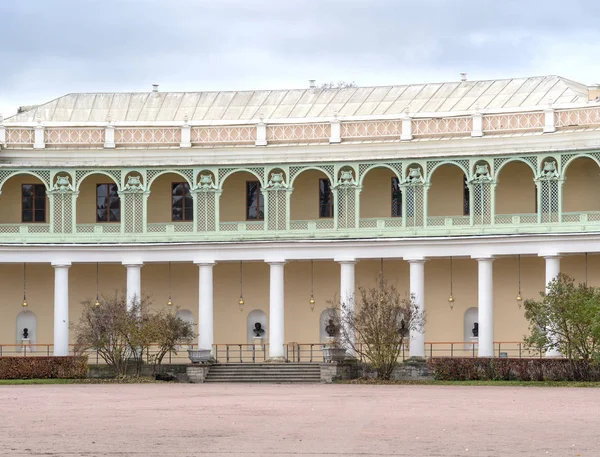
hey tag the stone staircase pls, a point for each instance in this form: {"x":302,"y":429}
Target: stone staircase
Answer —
{"x":265,"y":372}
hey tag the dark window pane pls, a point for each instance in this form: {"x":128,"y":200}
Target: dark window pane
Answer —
{"x":101,"y":215}
{"x":466,"y":198}
{"x":27,"y":215}
{"x":27,"y":190}
{"x":325,"y":198}
{"x":40,"y":215}
{"x":101,"y":190}
{"x":396,"y":198}
{"x":188,"y":207}
{"x":254,"y":201}
{"x":115,"y":215}
{"x":27,"y":203}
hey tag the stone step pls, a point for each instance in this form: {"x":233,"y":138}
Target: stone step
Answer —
{"x":251,"y":380}
{"x":265,"y":373}
{"x":257,"y":375}
{"x":267,"y":365}
{"x":263,"y":369}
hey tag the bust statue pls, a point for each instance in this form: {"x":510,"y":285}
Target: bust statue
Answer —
{"x":331,"y":329}
{"x":403,"y":329}
{"x":475,"y":330}
{"x":25,"y":333}
{"x":258,"y":330}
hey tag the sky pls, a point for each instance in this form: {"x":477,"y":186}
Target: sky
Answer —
{"x":54,"y":47}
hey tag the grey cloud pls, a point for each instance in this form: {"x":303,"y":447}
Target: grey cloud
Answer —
{"x":51,"y":48}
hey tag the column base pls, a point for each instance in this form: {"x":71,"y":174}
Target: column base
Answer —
{"x":276,"y":360}
{"x":416,"y":359}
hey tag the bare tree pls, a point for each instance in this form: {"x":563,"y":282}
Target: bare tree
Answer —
{"x":104,"y":329}
{"x":170,"y":331}
{"x":123,"y":334}
{"x":377,"y":326}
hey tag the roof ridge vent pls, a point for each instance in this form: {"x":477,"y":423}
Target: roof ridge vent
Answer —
{"x":154,"y":87}
{"x":463,"y":76}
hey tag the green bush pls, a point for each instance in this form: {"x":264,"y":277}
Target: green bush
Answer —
{"x":43,"y":367}
{"x":490,"y":369}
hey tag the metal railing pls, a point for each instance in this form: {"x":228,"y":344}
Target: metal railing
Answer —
{"x":293,"y":352}
{"x":502,"y":349}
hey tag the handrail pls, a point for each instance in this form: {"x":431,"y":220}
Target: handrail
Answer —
{"x":293,"y":352}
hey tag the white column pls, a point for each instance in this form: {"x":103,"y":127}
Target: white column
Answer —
{"x":276,"y":311}
{"x":134,"y":282}
{"x":347,"y":290}
{"x":205,"y":305}
{"x":61,"y":308}
{"x":417,"y":292}
{"x":485,"y":294}
{"x":552,"y":271}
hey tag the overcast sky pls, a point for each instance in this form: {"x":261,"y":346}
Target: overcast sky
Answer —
{"x":54,"y":47}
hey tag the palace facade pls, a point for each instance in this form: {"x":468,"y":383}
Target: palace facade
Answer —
{"x":238,"y":207}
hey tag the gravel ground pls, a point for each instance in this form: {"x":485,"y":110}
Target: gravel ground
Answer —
{"x":297,"y":420}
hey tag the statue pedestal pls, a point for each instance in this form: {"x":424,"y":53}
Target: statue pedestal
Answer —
{"x":258,"y":342}
{"x":25,"y":344}
{"x":474,"y":346}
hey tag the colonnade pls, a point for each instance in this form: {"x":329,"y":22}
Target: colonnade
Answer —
{"x":276,"y":301}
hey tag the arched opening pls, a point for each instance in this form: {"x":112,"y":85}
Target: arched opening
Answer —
{"x":581,"y":189}
{"x":448,"y":194}
{"x":257,"y":316}
{"x":187,"y":316}
{"x":326,"y":315}
{"x":26,"y":331}
{"x":242,"y":198}
{"x":381,"y":195}
{"x":170,"y":200}
{"x":312,"y":197}
{"x":516,"y":189}
{"x":24,"y":200}
{"x":98,"y":200}
{"x":471,"y":327}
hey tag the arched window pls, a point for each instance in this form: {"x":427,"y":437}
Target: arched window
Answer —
{"x":466,"y":198}
{"x":182,"y":207}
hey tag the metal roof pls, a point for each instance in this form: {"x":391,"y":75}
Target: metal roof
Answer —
{"x":307,"y":103}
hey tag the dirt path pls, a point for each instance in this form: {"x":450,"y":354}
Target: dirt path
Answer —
{"x":288,"y":420}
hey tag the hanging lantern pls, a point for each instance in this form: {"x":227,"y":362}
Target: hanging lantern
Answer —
{"x":241,"y":300}
{"x":519,"y":296}
{"x":97,"y":302}
{"x":381,"y":297}
{"x":311,"y":301}
{"x":169,"y":301}
{"x":451,"y":297}
{"x":24,"y":304}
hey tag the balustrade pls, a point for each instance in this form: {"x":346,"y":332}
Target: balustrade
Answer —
{"x":261,"y":132}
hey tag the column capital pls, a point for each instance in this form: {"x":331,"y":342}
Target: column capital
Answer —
{"x":346,"y":260}
{"x":483,"y":258}
{"x":207,"y":263}
{"x":550,"y":256}
{"x":415,"y":259}
{"x":133,"y":263}
{"x":61,"y":264}
{"x":276,"y":261}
